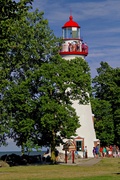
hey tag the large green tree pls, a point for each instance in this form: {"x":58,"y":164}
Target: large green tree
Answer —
{"x":61,"y":82}
{"x":103,"y":121}
{"x":40,"y":85}
{"x":106,"y":88}
{"x":31,"y":45}
{"x":10,"y":11}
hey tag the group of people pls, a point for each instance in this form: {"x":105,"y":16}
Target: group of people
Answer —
{"x":106,"y":151}
{"x":73,"y":47}
{"x":76,"y":46}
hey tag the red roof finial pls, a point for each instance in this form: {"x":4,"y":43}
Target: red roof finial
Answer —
{"x":71,"y":18}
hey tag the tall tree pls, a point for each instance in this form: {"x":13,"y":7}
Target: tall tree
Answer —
{"x":107,"y":87}
{"x":41,"y":85}
{"x":10,"y":11}
{"x":32,"y":44}
{"x":103,"y":121}
{"x":61,"y":82}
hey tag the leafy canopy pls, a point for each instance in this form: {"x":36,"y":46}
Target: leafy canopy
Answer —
{"x":106,"y":87}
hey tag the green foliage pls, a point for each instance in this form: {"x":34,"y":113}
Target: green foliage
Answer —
{"x":27,"y":51}
{"x":29,"y":145}
{"x":37,"y":85}
{"x":103,"y":121}
{"x":10,"y":12}
{"x":107,"y":91}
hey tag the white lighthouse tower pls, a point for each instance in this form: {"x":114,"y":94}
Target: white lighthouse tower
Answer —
{"x":72,"y":47}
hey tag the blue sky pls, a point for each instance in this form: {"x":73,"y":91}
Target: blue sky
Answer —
{"x":100,"y":28}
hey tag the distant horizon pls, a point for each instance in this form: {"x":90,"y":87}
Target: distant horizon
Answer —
{"x":20,"y":151}
{"x":12,"y":147}
{"x":17,"y":149}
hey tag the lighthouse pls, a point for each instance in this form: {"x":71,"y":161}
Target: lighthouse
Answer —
{"x":72,"y":47}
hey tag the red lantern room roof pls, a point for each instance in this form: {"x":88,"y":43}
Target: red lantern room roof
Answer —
{"x":71,"y":23}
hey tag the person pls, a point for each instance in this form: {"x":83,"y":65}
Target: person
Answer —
{"x":76,"y":153}
{"x":97,"y":151}
{"x":109,"y":149}
{"x":114,"y":151}
{"x":73,"y":46}
{"x":118,"y":151}
{"x":83,"y":47}
{"x":69,"y":47}
{"x":104,"y":151}
{"x":56,"y":154}
{"x":94,"y":152}
{"x":78,"y":47}
{"x":85,"y":152}
{"x":101,"y":151}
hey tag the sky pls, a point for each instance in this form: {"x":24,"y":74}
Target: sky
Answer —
{"x":99,"y":22}
{"x":100,"y":29}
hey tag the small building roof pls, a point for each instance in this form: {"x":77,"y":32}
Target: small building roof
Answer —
{"x":71,"y":23}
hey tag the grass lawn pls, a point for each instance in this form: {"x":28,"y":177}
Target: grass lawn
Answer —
{"x":106,"y":169}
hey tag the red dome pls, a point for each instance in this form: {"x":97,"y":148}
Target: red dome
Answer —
{"x":71,"y":23}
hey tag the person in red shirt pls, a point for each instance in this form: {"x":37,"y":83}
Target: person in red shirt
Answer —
{"x":101,"y":151}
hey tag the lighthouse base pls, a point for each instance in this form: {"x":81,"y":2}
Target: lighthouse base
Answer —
{"x":86,"y":136}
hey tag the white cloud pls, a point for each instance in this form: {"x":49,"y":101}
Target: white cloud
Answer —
{"x":81,"y":9}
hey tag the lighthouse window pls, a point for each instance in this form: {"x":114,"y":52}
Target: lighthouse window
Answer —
{"x":68,"y":33}
{"x":79,"y":145}
{"x":74,"y":32}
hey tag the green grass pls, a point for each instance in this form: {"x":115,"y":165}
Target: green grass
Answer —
{"x":106,"y":169}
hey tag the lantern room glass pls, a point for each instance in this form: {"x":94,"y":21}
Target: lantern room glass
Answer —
{"x":71,"y":33}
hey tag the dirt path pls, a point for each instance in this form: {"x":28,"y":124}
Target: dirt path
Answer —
{"x":83,"y":162}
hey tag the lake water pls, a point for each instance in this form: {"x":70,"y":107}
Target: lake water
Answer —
{"x":19,"y":153}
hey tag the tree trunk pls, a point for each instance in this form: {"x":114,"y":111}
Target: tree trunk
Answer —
{"x":22,"y":149}
{"x":53,"y":158}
